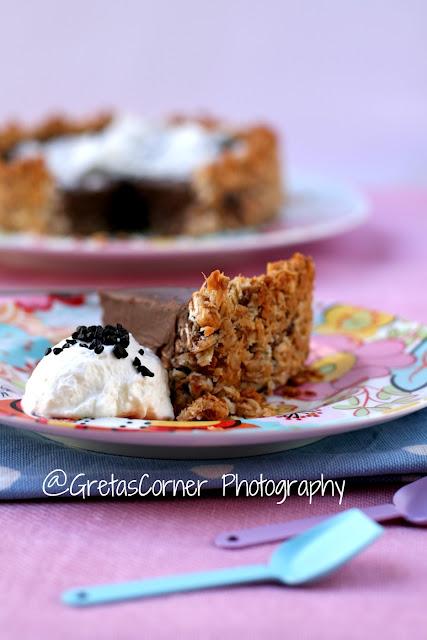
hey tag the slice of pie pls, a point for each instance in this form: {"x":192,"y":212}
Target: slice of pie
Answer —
{"x":228,"y":345}
{"x":113,"y":174}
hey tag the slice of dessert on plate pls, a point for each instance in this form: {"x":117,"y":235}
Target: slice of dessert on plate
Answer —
{"x":112,"y":174}
{"x":229,"y":344}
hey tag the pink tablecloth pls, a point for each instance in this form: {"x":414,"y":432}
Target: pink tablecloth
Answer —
{"x":47,"y":547}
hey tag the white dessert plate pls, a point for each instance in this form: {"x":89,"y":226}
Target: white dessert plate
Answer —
{"x":315,"y":209}
{"x":373,"y":367}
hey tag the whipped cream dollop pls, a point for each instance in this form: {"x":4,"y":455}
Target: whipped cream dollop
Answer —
{"x":99,"y":372}
{"x":129,"y":147}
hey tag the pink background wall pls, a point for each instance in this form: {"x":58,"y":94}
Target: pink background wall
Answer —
{"x":346,"y":80}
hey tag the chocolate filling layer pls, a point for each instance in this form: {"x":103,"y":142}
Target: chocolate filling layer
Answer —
{"x":151,"y":314}
{"x":155,"y":205}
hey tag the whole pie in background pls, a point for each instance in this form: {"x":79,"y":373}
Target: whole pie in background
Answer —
{"x":116,"y":173}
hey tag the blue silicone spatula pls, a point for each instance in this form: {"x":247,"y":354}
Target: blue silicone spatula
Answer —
{"x":309,"y":556}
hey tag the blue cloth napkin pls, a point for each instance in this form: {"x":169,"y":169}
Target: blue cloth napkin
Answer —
{"x":28,"y":462}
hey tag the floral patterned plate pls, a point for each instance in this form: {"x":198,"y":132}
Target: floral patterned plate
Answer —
{"x":373,"y":368}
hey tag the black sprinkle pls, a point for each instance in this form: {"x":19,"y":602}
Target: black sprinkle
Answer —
{"x":96,"y":337}
{"x":66,"y":346}
{"x":77,"y":332}
{"x":145,"y":372}
{"x":141,"y":351}
{"x":57,"y":350}
{"x":141,"y":368}
{"x":48,"y":350}
{"x":119,"y":351}
{"x":122,"y":426}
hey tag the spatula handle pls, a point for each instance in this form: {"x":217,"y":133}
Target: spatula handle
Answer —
{"x":283,"y":530}
{"x":99,"y":594}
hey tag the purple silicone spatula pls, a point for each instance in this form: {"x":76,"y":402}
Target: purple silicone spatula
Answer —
{"x":409,"y":503}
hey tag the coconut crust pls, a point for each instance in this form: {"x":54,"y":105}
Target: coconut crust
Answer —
{"x":240,"y":339}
